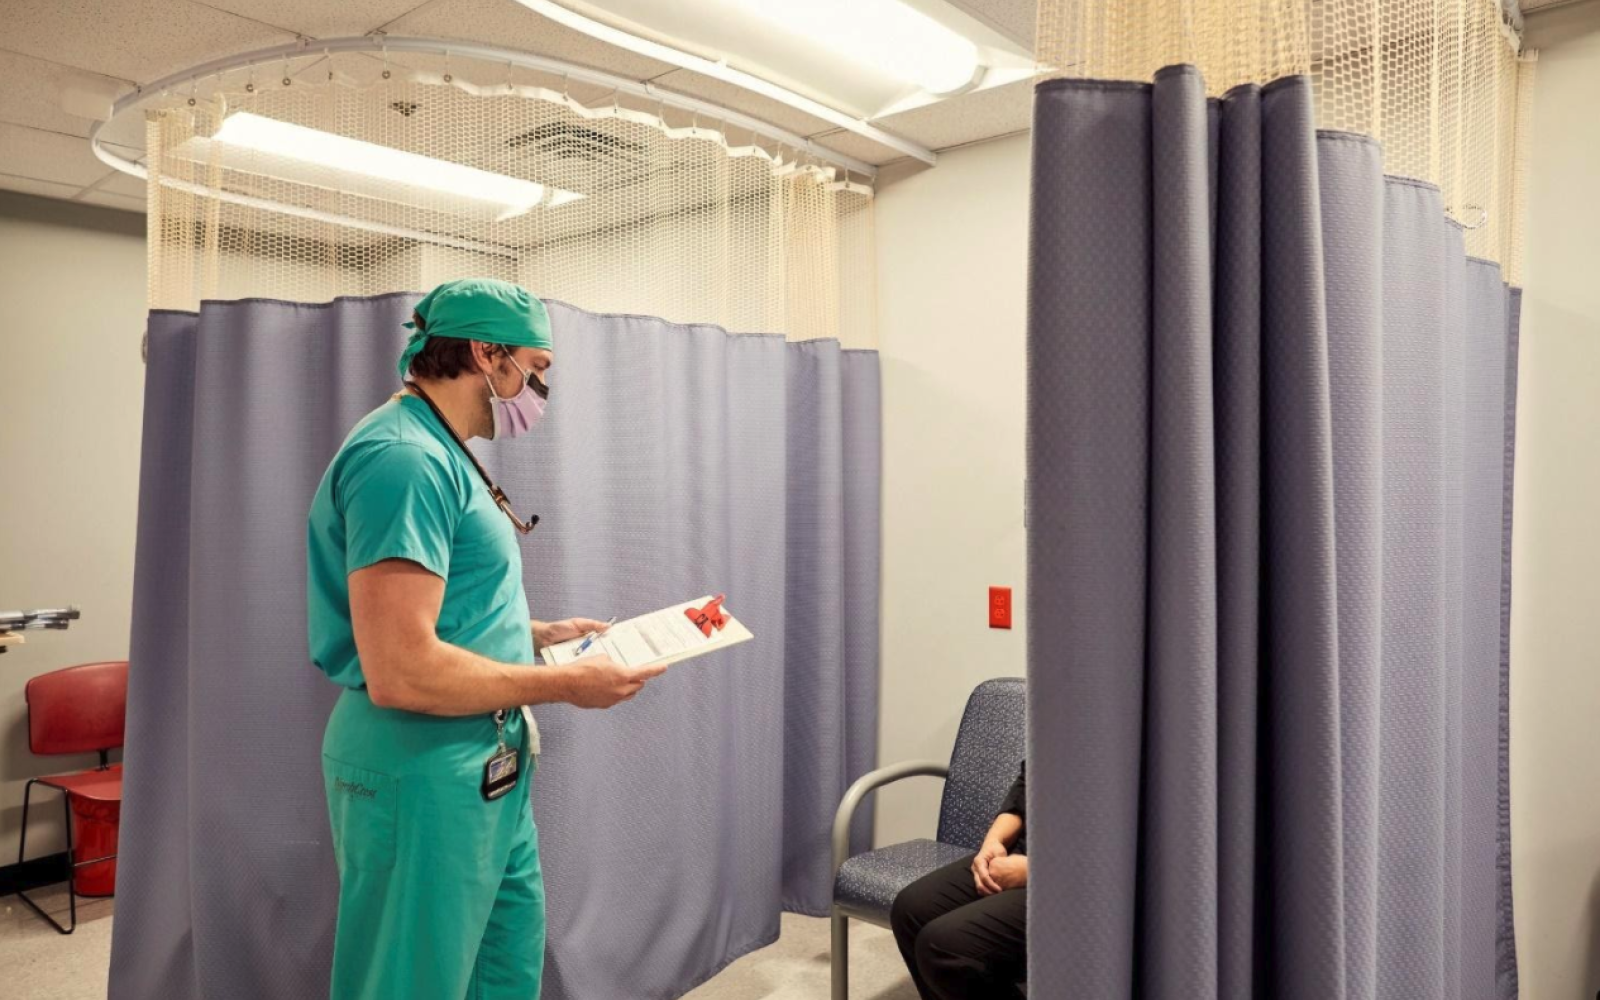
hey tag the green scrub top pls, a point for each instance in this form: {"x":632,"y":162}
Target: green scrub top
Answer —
{"x":400,"y":488}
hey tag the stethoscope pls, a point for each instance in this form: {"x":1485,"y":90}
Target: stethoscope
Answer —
{"x":498,"y":494}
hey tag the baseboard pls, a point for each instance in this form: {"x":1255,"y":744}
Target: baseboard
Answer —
{"x":48,"y":870}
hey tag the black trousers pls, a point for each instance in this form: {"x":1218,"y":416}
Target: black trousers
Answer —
{"x":958,"y":944}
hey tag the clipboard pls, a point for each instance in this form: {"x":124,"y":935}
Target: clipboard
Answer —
{"x":662,"y":637}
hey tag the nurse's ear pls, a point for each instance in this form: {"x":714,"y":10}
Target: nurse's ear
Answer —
{"x":488,"y":359}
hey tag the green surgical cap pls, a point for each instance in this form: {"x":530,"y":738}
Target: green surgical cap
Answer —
{"x":485,"y":309}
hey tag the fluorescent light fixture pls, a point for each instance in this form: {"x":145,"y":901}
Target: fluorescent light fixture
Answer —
{"x":367,"y":168}
{"x":899,"y":40}
{"x":718,"y":69}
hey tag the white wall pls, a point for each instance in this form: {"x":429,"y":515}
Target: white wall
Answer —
{"x":1555,"y":633}
{"x":72,"y":280}
{"x":952,"y":296}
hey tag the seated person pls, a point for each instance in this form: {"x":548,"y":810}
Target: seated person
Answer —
{"x":963,"y":929}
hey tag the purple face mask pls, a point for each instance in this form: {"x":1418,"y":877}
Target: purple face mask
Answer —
{"x":516,"y":416}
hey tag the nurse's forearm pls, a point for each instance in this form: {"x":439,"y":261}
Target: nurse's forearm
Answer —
{"x":441,"y":679}
{"x":394,"y":608}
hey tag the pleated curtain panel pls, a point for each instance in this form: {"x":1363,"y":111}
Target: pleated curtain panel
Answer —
{"x":1269,"y":463}
{"x":675,"y":461}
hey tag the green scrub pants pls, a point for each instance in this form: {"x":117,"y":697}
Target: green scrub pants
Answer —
{"x":440,"y":892}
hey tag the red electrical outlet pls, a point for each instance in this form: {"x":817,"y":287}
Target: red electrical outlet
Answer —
{"x":999,"y":607}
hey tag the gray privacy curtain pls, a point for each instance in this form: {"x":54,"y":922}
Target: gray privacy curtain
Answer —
{"x":675,"y":461}
{"x":1269,"y":475}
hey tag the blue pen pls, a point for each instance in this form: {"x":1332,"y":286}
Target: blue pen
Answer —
{"x":588,"y":639}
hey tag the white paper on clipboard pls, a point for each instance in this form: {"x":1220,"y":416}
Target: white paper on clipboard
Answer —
{"x":665,"y":637}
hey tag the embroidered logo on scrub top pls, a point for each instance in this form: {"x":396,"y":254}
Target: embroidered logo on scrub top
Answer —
{"x":359,"y":790}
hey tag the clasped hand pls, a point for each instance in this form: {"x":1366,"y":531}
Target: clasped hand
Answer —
{"x":994,"y":870}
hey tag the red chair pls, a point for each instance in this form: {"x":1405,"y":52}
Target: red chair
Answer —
{"x":77,"y":710}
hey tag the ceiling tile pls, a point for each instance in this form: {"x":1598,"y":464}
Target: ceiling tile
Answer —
{"x":983,"y":115}
{"x":319,"y":18}
{"x":30,"y":94}
{"x":508,"y":25}
{"x":124,"y":184}
{"x":28,"y":185}
{"x":112,"y":200}
{"x":1016,"y":19}
{"x":132,"y":41}
{"x":65,"y":159}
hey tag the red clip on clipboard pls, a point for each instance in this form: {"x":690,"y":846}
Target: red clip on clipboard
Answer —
{"x":659,"y":637}
{"x":708,"y":617}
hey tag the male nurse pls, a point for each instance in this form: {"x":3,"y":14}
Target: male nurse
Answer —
{"x":416,"y":608}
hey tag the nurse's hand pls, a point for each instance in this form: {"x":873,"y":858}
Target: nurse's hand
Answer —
{"x":601,"y":682}
{"x":550,"y":633}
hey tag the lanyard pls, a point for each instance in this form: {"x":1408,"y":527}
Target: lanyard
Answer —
{"x":495,"y":492}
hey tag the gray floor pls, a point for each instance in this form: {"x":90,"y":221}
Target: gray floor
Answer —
{"x":40,"y":964}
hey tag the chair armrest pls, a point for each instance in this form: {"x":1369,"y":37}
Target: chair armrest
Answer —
{"x":867,"y":783}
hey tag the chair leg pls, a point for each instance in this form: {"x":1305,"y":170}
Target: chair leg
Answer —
{"x":72,"y":869}
{"x":22,"y":839}
{"x":22,"y":847}
{"x":841,"y":956}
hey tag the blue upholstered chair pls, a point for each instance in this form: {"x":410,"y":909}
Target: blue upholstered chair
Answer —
{"x":990,"y":744}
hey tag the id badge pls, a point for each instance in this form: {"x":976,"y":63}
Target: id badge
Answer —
{"x":500,"y":774}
